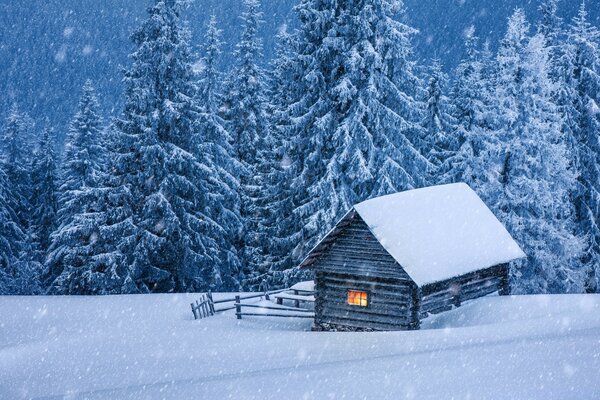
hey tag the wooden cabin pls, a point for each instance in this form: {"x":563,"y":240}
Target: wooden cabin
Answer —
{"x":393,"y":260}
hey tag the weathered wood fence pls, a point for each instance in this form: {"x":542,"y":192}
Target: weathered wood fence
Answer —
{"x":298,"y":312}
{"x":204,"y":307}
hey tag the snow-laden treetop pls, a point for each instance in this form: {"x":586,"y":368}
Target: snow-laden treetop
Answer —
{"x":439,"y":232}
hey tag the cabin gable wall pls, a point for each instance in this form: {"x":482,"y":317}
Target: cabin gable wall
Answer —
{"x":355,"y":260}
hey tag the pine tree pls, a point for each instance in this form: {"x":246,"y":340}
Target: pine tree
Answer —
{"x":248,"y":124}
{"x":83,"y":154}
{"x":438,"y":121}
{"x":534,"y":179}
{"x":357,"y":127}
{"x":16,"y":151}
{"x":83,"y":257}
{"x":161,"y":172}
{"x":580,"y":100}
{"x":215,"y":153}
{"x":44,"y":203}
{"x":466,"y":146}
{"x":12,"y":238}
{"x":550,"y":27}
{"x":282,"y":223}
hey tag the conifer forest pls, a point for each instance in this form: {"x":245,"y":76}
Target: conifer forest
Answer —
{"x":220,"y":171}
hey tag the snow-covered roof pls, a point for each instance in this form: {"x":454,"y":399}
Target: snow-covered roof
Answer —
{"x":439,"y":232}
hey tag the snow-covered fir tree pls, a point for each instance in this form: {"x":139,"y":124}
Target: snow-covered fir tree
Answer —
{"x":466,"y":146}
{"x":12,"y":238}
{"x":282,"y":223}
{"x":533,"y":175}
{"x":248,"y":124}
{"x":579,"y":99}
{"x":79,"y":259}
{"x":158,"y":125}
{"x":44,"y":186}
{"x":83,"y":154}
{"x":357,"y":127}
{"x":215,"y":153}
{"x":438,"y":122}
{"x":16,"y":160}
{"x":550,"y":26}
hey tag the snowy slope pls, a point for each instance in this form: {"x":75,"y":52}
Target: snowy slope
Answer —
{"x":147,"y":346}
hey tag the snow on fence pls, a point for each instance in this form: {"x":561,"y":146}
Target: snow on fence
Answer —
{"x":289,"y":311}
{"x":203,"y":307}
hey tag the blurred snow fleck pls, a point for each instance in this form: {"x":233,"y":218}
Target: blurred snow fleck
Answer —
{"x":569,"y":370}
{"x":282,"y":30}
{"x":68,"y":31}
{"x":61,"y":54}
{"x":198,"y":66}
{"x":286,"y":161}
{"x":87,"y":50}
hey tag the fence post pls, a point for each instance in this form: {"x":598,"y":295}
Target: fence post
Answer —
{"x":194,"y":310}
{"x":211,"y":305}
{"x":205,"y":305}
{"x":200,"y":309}
{"x":238,"y":307}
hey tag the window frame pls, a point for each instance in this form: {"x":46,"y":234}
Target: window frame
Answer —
{"x":366,"y":292}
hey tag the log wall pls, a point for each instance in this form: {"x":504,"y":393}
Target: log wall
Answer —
{"x":355,"y":260}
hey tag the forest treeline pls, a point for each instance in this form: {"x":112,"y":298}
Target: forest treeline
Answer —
{"x":224,"y":180}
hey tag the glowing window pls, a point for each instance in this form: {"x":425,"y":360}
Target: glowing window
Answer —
{"x":357,"y":298}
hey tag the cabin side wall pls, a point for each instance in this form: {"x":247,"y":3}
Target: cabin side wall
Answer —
{"x":441,"y":296}
{"x":356,"y":261}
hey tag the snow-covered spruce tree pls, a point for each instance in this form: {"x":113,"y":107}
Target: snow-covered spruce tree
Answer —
{"x":12,"y":238}
{"x":579,"y":99}
{"x":357,"y":127}
{"x":248,"y":124}
{"x":438,"y":122}
{"x":82,"y":258}
{"x":16,"y":160}
{"x":80,"y":177}
{"x":220,"y":168}
{"x":466,"y":146}
{"x":533,"y":176}
{"x":281,"y":223}
{"x":83,"y":155}
{"x":169,"y":208}
{"x":44,"y":203}
{"x":550,"y":26}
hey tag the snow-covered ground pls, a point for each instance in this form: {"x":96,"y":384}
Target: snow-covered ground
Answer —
{"x":149,"y":347}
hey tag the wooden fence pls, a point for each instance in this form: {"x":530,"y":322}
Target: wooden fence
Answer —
{"x":203,"y":307}
{"x":301,"y":313}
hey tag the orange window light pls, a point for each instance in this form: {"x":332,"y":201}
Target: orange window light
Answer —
{"x":357,"y":298}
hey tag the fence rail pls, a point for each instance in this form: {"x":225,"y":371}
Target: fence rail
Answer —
{"x":204,"y":307}
{"x":300,"y":313}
